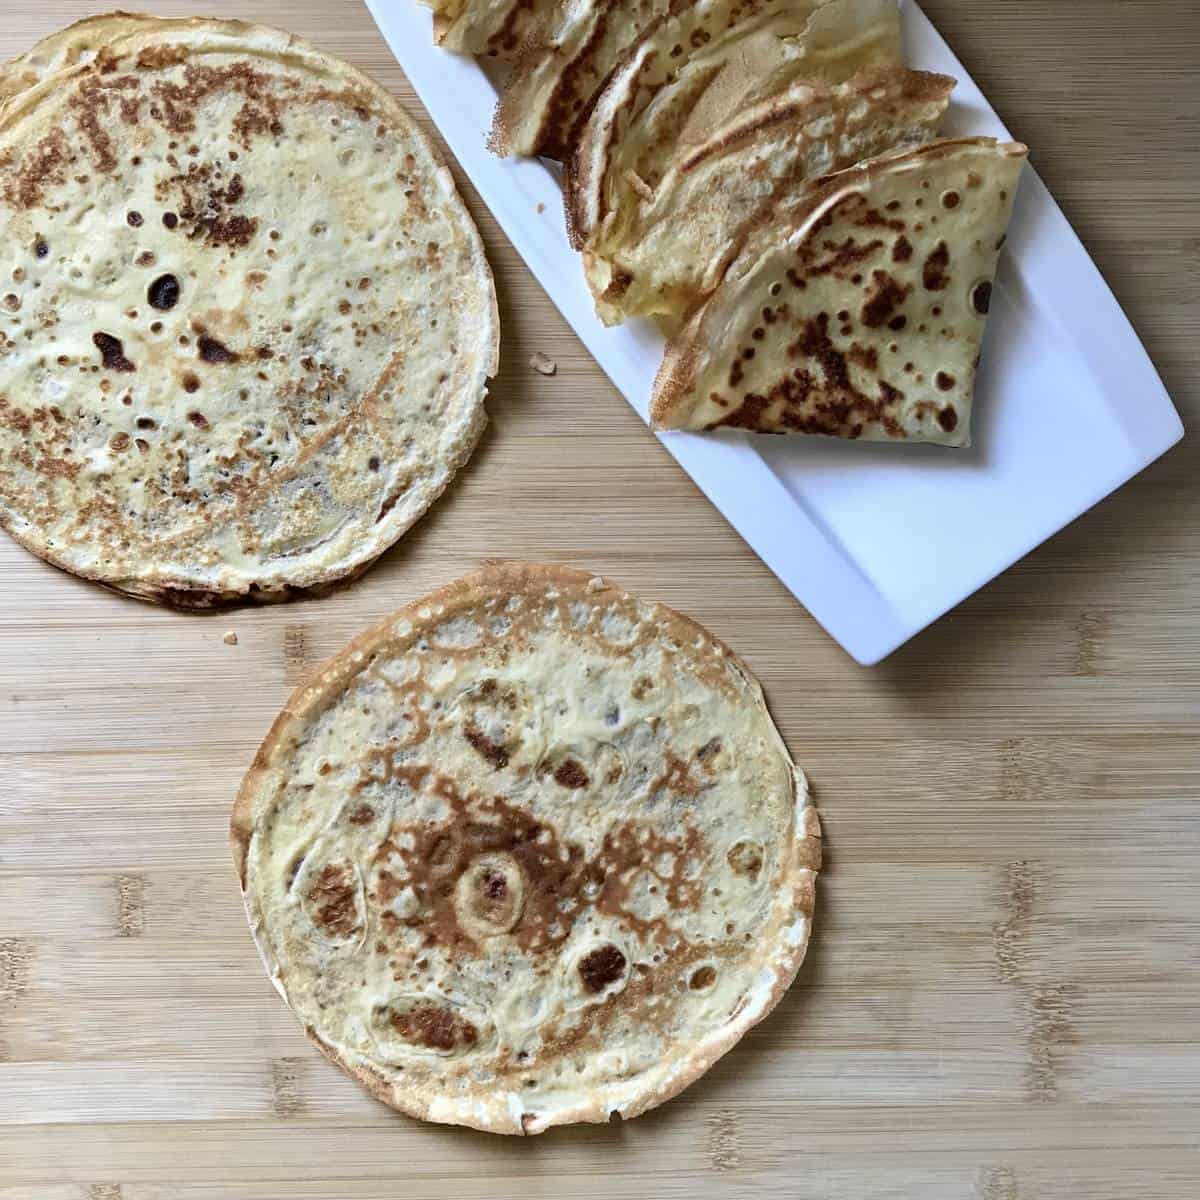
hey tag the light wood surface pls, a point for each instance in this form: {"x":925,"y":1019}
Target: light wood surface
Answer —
{"x":1001,"y":1000}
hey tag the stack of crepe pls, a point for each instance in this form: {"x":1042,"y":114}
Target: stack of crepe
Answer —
{"x":764,"y":179}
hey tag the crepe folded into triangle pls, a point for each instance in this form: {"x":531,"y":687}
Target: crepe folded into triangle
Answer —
{"x":858,"y":314}
{"x":498,"y":29}
{"x":699,"y":67}
{"x":662,"y":253}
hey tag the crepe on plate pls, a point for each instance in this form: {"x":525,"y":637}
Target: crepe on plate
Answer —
{"x":660,"y":254}
{"x":498,"y":29}
{"x":861,"y":315}
{"x":249,"y":323}
{"x":530,"y":852}
{"x":696,"y":69}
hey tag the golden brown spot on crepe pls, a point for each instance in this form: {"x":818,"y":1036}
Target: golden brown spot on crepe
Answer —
{"x":333,"y":894}
{"x":495,"y":754}
{"x":676,"y":777}
{"x":90,"y":102}
{"x":934,"y":272}
{"x":866,"y":357}
{"x":839,"y":256}
{"x":745,"y":858}
{"x":213,"y":351}
{"x":604,"y":965}
{"x":112,"y":352}
{"x":570,"y":774}
{"x":257,"y":117}
{"x":176,"y":102}
{"x":25,"y":186}
{"x":554,"y":872}
{"x":886,"y":296}
{"x":431,"y":1025}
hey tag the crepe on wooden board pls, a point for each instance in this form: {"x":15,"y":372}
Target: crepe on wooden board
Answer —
{"x":249,"y":323}
{"x":530,"y":852}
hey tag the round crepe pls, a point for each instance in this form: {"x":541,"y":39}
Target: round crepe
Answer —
{"x":530,"y":852}
{"x":248,"y":321}
{"x":663,"y":254}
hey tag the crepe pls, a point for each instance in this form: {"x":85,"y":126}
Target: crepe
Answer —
{"x":249,"y":323}
{"x":530,"y":852}
{"x":701,"y":66}
{"x":661,"y":254}
{"x":498,"y":29}
{"x":550,"y":91}
{"x":862,"y":314}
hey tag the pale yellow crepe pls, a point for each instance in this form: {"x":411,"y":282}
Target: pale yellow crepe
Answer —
{"x":859,"y":315}
{"x":248,"y":325}
{"x":530,"y":852}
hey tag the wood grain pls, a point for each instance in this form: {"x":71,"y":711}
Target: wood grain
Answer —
{"x":1000,"y":998}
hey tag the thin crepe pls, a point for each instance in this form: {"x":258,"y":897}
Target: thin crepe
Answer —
{"x":661,"y":254}
{"x":697,"y":69}
{"x":862,"y":314}
{"x":250,"y":322}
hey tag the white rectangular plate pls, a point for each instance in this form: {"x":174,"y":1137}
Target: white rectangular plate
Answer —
{"x":877,"y":541}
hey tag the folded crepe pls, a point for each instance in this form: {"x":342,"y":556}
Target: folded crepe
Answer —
{"x":660,"y":254}
{"x":858,"y":314}
{"x":699,"y":67}
{"x":499,"y":29}
{"x":557,"y":75}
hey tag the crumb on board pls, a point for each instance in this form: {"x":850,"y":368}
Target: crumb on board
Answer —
{"x":230,"y":639}
{"x":543,"y":365}
{"x":541,"y":208}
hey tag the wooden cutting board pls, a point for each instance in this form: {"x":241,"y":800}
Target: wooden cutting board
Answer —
{"x":1001,"y":997}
